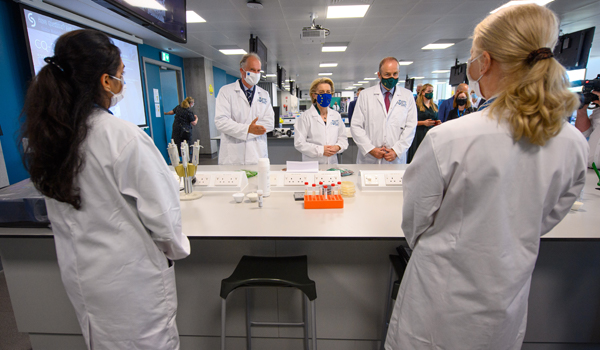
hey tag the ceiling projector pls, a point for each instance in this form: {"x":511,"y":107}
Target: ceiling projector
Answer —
{"x":315,"y":34}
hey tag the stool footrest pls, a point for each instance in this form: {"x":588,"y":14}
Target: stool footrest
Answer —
{"x":272,"y":324}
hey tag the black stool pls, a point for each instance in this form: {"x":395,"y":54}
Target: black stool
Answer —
{"x":258,"y":271}
{"x":399,"y":263}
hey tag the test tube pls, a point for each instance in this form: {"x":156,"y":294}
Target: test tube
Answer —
{"x":314,"y":189}
{"x":321,"y":187}
{"x":306,"y":188}
{"x":333,"y":189}
{"x":325,"y":192}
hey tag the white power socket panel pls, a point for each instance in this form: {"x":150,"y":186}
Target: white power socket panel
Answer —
{"x":380,"y":180}
{"x":283,"y":181}
{"x":294,"y":179}
{"x":220,"y":181}
{"x":393,"y":179}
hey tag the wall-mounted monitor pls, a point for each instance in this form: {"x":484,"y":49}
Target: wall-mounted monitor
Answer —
{"x":458,"y":74}
{"x":259,"y":48}
{"x":292,"y":91}
{"x":41,"y":31}
{"x":281,"y":77}
{"x":573,"y":50}
{"x":409,"y":84}
{"x":170,"y":21}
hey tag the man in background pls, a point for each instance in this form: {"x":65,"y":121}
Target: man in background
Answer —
{"x":353,"y":104}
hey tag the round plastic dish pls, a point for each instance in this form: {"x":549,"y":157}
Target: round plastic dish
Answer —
{"x":253,"y":197}
{"x":239,"y":197}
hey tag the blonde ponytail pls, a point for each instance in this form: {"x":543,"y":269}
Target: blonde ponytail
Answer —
{"x":187,"y":102}
{"x":535,"y":99}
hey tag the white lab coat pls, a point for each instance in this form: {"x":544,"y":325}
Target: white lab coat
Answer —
{"x":593,"y":133}
{"x":475,"y":206}
{"x":373,"y":127}
{"x":311,"y":134}
{"x":233,"y":116}
{"x":113,"y":252}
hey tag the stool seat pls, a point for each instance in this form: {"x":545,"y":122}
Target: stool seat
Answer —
{"x":254,"y":271}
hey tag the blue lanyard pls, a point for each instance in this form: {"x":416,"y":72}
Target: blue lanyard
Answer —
{"x":486,"y":104}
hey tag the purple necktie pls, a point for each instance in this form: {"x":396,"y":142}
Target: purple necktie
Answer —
{"x":387,"y":101}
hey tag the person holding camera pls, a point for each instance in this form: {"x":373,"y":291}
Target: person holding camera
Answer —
{"x":590,"y":128}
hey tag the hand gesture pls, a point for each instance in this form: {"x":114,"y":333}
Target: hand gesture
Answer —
{"x":438,"y":122}
{"x":429,"y":122}
{"x":378,"y":152}
{"x":328,"y":151}
{"x":256,"y":129}
{"x":390,"y":154}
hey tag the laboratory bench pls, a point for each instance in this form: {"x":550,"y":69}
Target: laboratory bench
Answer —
{"x":347,"y":253}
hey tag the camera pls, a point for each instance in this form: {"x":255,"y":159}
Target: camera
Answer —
{"x":587,"y":87}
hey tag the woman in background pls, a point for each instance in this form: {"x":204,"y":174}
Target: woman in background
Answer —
{"x":112,"y":200}
{"x":483,"y":189}
{"x":319,"y":132}
{"x":426,"y":116}
{"x":184,"y":120}
{"x":462,"y":106}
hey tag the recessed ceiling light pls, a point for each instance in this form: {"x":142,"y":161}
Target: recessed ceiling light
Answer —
{"x":351,"y":11}
{"x":363,"y":82}
{"x":441,"y":71}
{"x":418,"y":78}
{"x":405,"y":63}
{"x":357,"y":84}
{"x":370,"y":78}
{"x":523,"y":2}
{"x":325,"y":73}
{"x":233,"y":52}
{"x":327,"y":65}
{"x":350,"y":88}
{"x":193,"y":17}
{"x":334,"y":48}
{"x":437,"y":46}
{"x":271,"y":75}
{"x":150,"y":4}
{"x":402,"y":81}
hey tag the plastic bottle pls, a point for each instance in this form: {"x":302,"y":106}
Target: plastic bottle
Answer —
{"x":259,"y":193}
{"x":264,"y":183}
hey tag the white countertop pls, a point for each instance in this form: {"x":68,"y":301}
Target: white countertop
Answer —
{"x":368,"y":215}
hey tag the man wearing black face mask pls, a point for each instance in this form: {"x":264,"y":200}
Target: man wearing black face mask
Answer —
{"x":462,"y":106}
{"x":385,"y":119}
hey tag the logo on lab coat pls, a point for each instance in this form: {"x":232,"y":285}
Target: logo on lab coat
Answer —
{"x":262,"y":100}
{"x":402,"y":103}
{"x":335,"y":122}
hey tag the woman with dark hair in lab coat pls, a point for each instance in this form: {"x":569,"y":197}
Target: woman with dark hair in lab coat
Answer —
{"x":484,"y":188}
{"x":112,"y":200}
{"x":320,"y":133}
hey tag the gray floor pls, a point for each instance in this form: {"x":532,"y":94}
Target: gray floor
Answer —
{"x":10,"y":338}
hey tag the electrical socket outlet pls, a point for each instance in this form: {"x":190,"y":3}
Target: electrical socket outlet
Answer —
{"x":273,"y":179}
{"x":294,"y":179}
{"x":393,"y":179}
{"x":227,"y":179}
{"x":202,"y":180}
{"x":331,"y":177}
{"x":371,"y":180}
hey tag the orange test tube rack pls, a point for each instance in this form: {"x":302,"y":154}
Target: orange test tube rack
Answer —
{"x":333,"y":201}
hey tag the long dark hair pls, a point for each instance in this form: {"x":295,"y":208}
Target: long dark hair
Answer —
{"x":57,"y":107}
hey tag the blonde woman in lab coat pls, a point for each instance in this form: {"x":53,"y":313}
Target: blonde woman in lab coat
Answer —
{"x":112,"y":200}
{"x":320,"y":133}
{"x":482,"y":190}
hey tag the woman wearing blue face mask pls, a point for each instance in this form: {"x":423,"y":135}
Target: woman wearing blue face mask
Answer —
{"x":320,"y":133}
{"x":427,"y":118}
{"x":112,"y":200}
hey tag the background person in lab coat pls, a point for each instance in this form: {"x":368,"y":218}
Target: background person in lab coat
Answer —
{"x":244,"y":115}
{"x":320,"y":133}
{"x":384,"y":120}
{"x":590,"y":128}
{"x":112,"y":200}
{"x":482,"y":189}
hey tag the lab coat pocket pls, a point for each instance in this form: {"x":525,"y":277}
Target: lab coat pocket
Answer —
{"x":170,"y":290}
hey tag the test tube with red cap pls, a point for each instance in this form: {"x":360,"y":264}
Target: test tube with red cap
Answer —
{"x":325,"y":192}
{"x":306,"y":188}
{"x":314,"y":189}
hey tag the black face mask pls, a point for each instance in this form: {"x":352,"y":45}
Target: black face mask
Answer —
{"x":461,"y":101}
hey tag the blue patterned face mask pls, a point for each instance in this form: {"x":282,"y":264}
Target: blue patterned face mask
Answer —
{"x":324,"y":100}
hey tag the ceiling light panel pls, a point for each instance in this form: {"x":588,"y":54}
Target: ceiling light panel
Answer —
{"x":351,"y":11}
{"x":440,"y":71}
{"x":328,"y":65}
{"x":334,"y":48}
{"x":405,"y":63}
{"x":325,"y":74}
{"x":437,"y":46}
{"x":523,"y":2}
{"x":193,"y":17}
{"x":370,"y":78}
{"x":233,"y":52}
{"x":150,"y":4}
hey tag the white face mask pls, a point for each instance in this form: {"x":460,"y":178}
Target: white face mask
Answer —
{"x":116,"y":98}
{"x":474,"y":84}
{"x":252,"y":78}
